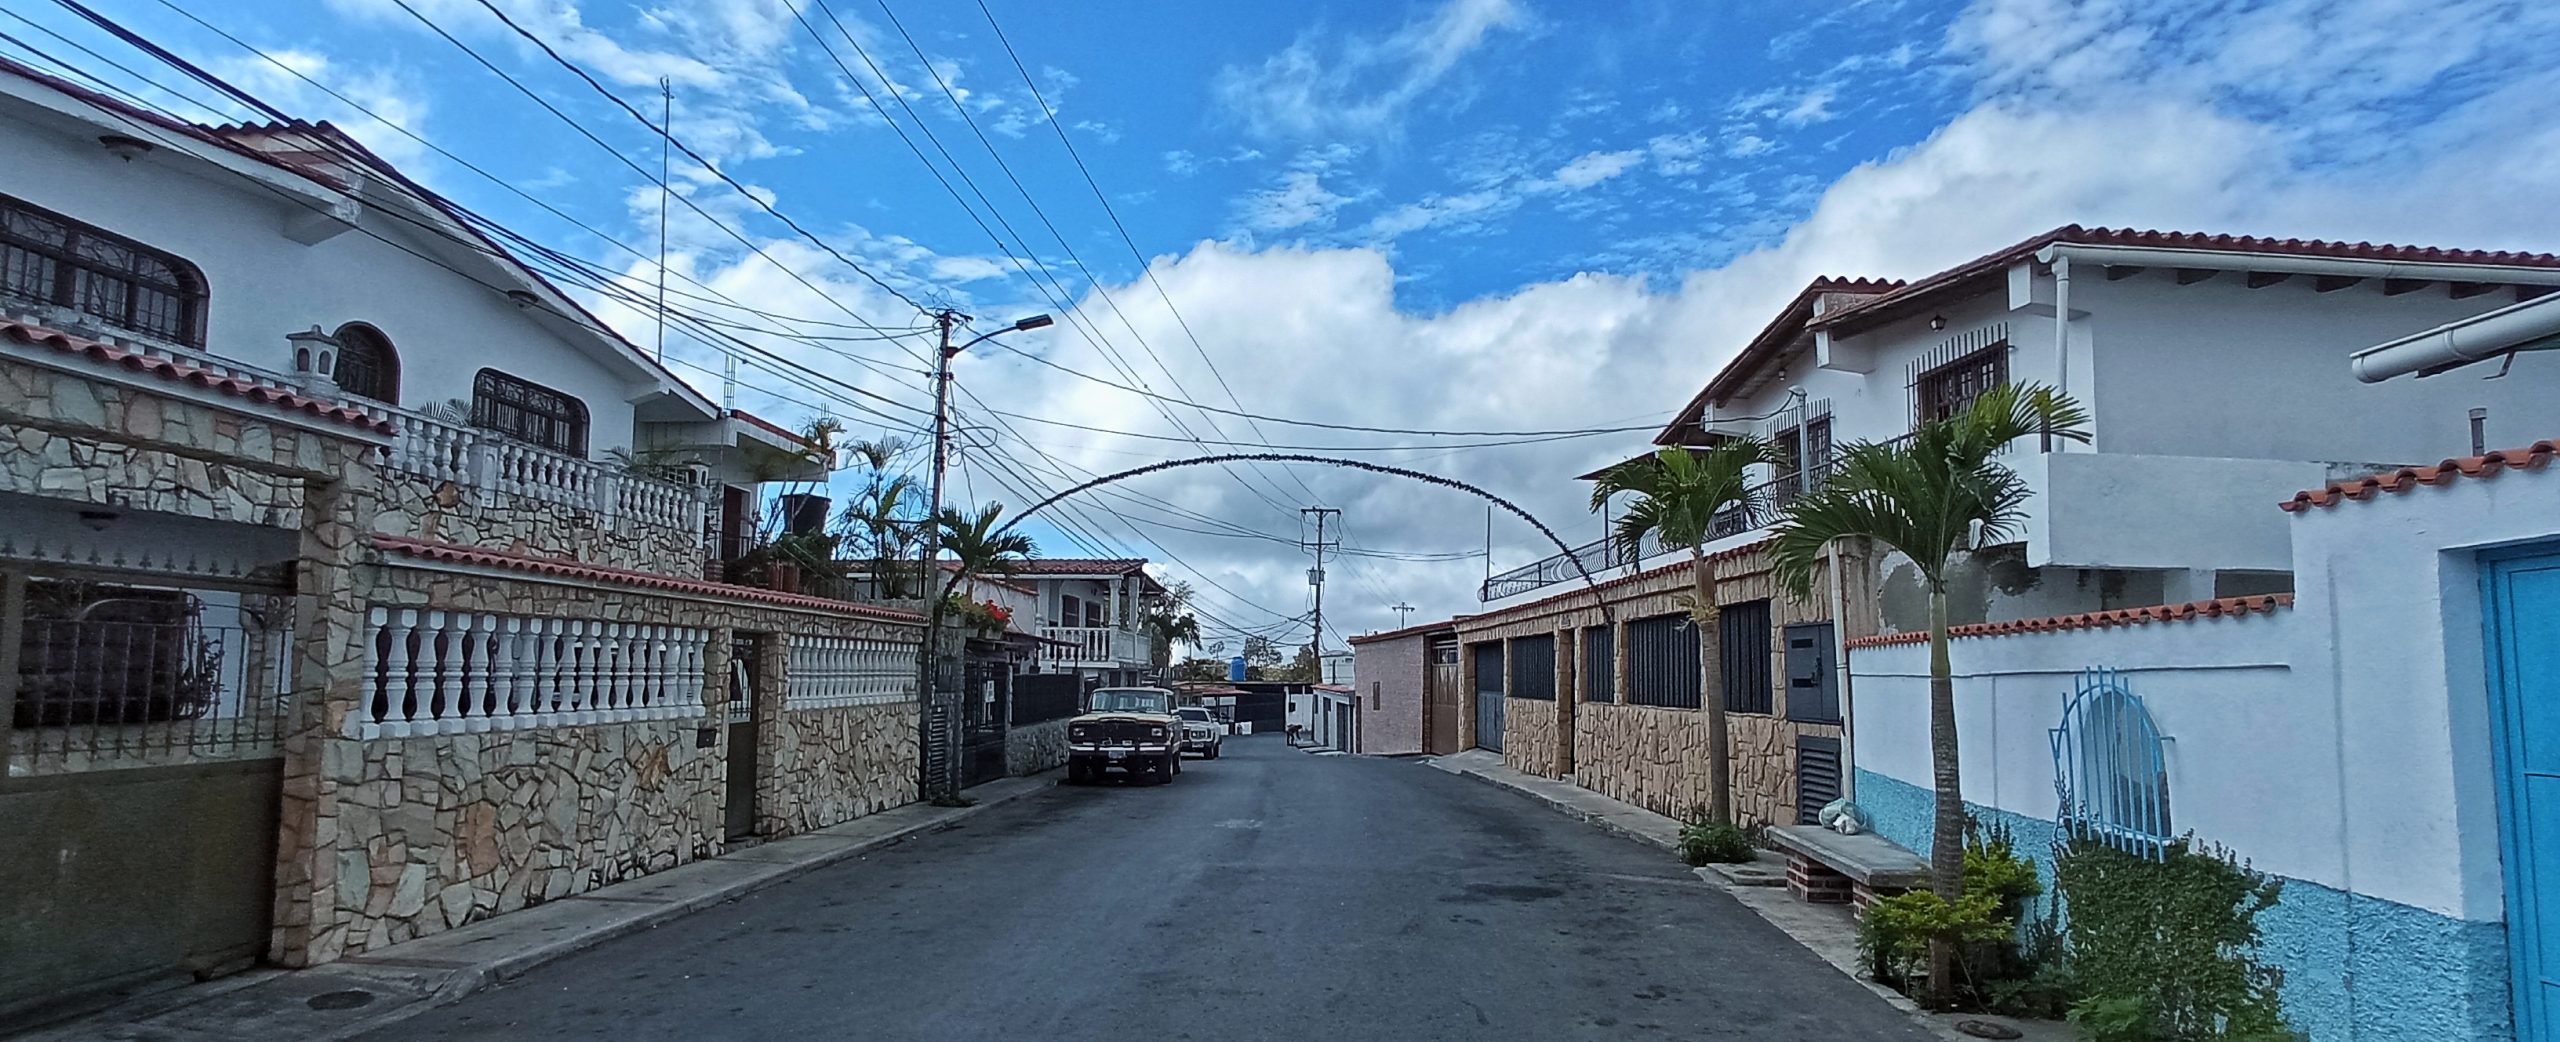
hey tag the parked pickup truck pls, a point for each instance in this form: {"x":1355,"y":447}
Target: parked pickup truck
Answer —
{"x":1201,"y":731}
{"x":1131,"y":729}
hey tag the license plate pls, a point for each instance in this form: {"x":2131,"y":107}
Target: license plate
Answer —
{"x":1118,"y":753}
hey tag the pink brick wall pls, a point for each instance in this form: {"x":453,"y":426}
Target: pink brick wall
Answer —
{"x":1389,"y":675}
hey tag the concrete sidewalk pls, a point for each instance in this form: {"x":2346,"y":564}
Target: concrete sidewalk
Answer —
{"x":1828,"y":930}
{"x":347,"y":998}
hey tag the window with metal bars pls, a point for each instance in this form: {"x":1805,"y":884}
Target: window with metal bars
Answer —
{"x":1599,"y":664}
{"x":1533,"y":668}
{"x":1948,"y":389}
{"x":367,"y":366}
{"x":1662,"y":662}
{"x":1742,"y":648}
{"x":528,"y":412}
{"x":47,"y":258}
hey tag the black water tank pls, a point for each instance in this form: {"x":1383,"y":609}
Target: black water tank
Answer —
{"x":803,"y":514}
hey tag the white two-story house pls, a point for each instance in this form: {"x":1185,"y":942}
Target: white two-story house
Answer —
{"x":2209,"y":367}
{"x":1088,"y":616}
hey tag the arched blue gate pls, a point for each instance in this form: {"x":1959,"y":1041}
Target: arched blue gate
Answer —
{"x":2108,"y":771}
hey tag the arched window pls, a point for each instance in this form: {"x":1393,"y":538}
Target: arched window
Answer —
{"x":529,"y":412}
{"x":46,"y":258}
{"x":367,"y":366}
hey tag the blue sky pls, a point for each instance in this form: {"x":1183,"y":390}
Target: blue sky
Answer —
{"x":1444,"y":214}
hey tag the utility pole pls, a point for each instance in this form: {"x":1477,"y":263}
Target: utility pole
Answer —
{"x":666,"y":142}
{"x":1315,"y":578}
{"x":941,"y":774}
{"x":1402,"y":610}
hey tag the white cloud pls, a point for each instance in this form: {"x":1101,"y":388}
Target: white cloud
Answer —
{"x":1300,"y":201}
{"x":1748,"y":145}
{"x":1365,"y":87}
{"x":1591,"y":168}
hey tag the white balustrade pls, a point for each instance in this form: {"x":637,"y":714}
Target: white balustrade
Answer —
{"x":439,"y":450}
{"x":830,"y":672}
{"x":1092,"y":645}
{"x":450,"y":672}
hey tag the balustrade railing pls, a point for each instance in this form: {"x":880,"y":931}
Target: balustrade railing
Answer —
{"x":830,"y":672}
{"x":439,"y":450}
{"x":452,"y":672}
{"x":1092,"y":644}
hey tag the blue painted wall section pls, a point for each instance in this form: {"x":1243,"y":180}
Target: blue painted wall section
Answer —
{"x":2357,"y":969}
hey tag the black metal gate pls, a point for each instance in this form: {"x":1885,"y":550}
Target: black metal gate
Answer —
{"x":984,"y":693}
{"x":741,"y":715}
{"x":1488,"y":658}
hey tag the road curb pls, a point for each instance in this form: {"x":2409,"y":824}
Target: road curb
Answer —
{"x":1562,"y":807}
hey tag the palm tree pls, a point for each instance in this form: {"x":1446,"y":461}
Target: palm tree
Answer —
{"x":1933,"y":496}
{"x":1681,"y":493}
{"x":876,"y":514}
{"x":1170,"y":622}
{"x":978,"y":545}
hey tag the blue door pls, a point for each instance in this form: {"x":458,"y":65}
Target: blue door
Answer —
{"x":2523,"y":608}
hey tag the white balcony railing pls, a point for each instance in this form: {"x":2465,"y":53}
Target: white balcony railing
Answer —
{"x":452,"y":672}
{"x":439,"y":450}
{"x":1093,"y":645}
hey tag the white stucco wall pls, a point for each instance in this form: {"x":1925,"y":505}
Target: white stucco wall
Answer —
{"x":2343,"y":742}
{"x":263,"y":285}
{"x":2218,"y":369}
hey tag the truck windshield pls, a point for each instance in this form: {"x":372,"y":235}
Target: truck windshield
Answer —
{"x":1109,"y":700}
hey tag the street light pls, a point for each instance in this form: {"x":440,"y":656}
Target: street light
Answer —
{"x":947,"y":319}
{"x":1023,"y":326}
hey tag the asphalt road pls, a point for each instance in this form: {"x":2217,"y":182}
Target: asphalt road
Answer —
{"x":1269,"y":894}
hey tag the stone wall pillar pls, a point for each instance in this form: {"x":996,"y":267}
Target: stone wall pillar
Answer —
{"x":1567,"y":698}
{"x":1466,"y":696}
{"x":713,"y":809}
{"x":775,"y":741}
{"x":318,"y":890}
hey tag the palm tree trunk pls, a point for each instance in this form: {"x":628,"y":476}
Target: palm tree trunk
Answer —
{"x":1705,"y":614}
{"x":1946,"y":845}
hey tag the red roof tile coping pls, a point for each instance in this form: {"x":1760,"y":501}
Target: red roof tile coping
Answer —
{"x":2224,"y":607}
{"x":776,"y":429}
{"x":2531,"y":457}
{"x":261,"y":392}
{"x":566,"y":568}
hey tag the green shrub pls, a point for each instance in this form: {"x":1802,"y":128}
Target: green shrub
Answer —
{"x":2168,"y":947}
{"x":1708,"y":843}
{"x":1894,"y":933}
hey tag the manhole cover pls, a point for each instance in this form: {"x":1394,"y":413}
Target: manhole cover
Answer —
{"x":1987,"y":1029}
{"x":334,"y":1000}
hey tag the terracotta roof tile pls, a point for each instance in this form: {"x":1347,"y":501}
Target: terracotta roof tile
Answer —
{"x":1080,"y":566}
{"x":566,"y":568}
{"x":2225,"y":607}
{"x":2531,"y":457}
{"x":260,"y":392}
{"x":1868,"y":312}
{"x":770,"y":427}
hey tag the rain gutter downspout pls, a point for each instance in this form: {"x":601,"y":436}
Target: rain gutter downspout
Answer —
{"x":2531,"y":326}
{"x":2061,"y":335}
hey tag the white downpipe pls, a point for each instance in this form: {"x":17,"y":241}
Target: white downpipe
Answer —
{"x":1848,"y":702}
{"x":2530,"y":326}
{"x":2061,"y":331}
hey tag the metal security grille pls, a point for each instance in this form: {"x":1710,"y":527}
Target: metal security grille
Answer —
{"x":367,"y":367}
{"x":1817,"y":776}
{"x":1742,"y":649}
{"x":46,"y":258}
{"x":1947,"y":389}
{"x":1599,"y":664}
{"x":529,"y":412}
{"x":2112,"y":782}
{"x":112,"y":676}
{"x":1533,"y":668}
{"x":1488,"y":659}
{"x":1662,"y":662}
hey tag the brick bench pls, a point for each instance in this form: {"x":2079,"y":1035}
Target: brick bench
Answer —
{"x":1825,"y":867}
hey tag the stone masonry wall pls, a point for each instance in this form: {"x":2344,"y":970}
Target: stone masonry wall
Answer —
{"x":1032,"y":748}
{"x":1529,"y":736}
{"x":436,"y":832}
{"x":425,"y":834}
{"x":422,"y":508}
{"x":1656,"y":757}
{"x":834,"y":765}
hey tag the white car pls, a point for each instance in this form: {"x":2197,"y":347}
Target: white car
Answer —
{"x":1201,"y":731}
